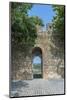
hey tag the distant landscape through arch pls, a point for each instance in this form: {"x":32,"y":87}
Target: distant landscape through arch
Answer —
{"x":37,"y":62}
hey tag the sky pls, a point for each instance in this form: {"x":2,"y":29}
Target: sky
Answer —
{"x":37,"y":60}
{"x":45,"y":12}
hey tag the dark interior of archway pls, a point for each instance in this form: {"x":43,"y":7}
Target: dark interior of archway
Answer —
{"x":37,"y":62}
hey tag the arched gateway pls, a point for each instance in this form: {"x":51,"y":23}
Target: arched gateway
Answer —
{"x":37,"y":62}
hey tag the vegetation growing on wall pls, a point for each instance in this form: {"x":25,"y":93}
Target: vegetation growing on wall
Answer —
{"x":59,"y":29}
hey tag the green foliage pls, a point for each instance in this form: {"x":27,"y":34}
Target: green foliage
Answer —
{"x":37,"y":20}
{"x":58,"y":27}
{"x":23,"y":27}
{"x":37,"y":66}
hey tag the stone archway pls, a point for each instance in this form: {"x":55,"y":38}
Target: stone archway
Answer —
{"x":37,"y":62}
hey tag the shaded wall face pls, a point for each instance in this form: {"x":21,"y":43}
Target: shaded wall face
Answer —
{"x":21,"y":67}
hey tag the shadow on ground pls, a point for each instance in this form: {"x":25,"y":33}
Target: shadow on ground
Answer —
{"x":16,"y":84}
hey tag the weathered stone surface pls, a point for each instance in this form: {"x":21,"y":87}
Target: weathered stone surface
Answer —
{"x":22,"y":60}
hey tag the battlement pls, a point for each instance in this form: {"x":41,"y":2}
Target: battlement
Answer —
{"x":41,"y":31}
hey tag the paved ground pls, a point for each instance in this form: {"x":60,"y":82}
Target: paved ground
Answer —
{"x":36,"y":87}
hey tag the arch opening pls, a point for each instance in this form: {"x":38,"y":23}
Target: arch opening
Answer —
{"x":37,"y":62}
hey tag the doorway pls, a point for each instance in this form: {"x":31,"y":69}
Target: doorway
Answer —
{"x":37,"y":62}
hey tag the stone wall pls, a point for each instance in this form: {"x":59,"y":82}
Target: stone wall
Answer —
{"x":21,"y":67}
{"x":21,"y":62}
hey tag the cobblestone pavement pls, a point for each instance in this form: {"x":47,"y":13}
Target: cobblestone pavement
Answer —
{"x":36,"y":87}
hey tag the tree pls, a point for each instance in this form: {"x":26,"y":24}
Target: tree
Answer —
{"x":23,"y":27}
{"x":37,"y":20}
{"x":58,"y":34}
{"x":59,"y":29}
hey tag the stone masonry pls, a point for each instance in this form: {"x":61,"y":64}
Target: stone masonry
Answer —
{"x":21,"y":63}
